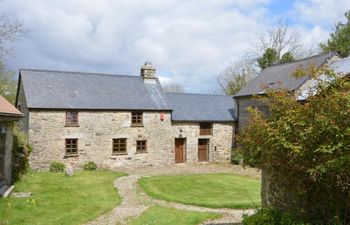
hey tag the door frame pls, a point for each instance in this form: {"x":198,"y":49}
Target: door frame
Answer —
{"x":208,"y":148}
{"x":184,"y":149}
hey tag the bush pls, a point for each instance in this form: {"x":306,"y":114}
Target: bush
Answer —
{"x":270,"y":216}
{"x":90,"y":166}
{"x":57,"y":167}
{"x":236,"y":157}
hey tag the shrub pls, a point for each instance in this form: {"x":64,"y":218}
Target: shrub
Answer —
{"x":236,"y":157}
{"x":90,"y":166}
{"x":270,"y":216}
{"x":57,"y":167}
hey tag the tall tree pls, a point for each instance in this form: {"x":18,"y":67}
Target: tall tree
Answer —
{"x":9,"y":32}
{"x":174,"y":88}
{"x":235,"y":76}
{"x":340,"y":39}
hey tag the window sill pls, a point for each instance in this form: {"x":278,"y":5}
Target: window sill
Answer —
{"x":116,"y":154}
{"x":73,"y":125}
{"x":141,"y":152}
{"x":137,"y":125}
{"x":70,"y":156}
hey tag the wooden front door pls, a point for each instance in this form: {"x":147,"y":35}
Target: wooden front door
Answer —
{"x":203,"y":150}
{"x":179,"y":150}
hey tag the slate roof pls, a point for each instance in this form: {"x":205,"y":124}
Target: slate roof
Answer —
{"x":341,"y":66}
{"x":75,"y":90}
{"x":7,"y":109}
{"x":201,"y":107}
{"x":280,"y":76}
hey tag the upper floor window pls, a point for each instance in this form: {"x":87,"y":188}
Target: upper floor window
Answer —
{"x":136,"y":118}
{"x":72,"y":146}
{"x":72,"y":118}
{"x":119,"y":146}
{"x":205,"y":129}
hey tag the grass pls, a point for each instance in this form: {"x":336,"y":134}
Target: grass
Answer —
{"x":157,"y":215}
{"x":208,"y":190}
{"x":59,"y":199}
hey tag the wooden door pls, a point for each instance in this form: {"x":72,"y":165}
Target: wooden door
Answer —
{"x":203,"y":150}
{"x":179,"y":150}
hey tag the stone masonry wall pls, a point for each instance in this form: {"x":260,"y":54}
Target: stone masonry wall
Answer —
{"x":220,"y":143}
{"x":47,"y":134}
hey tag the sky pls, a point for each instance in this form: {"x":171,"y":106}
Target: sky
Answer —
{"x":189,"y":42}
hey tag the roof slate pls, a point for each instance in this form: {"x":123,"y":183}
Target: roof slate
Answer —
{"x":341,"y":66}
{"x":201,"y":107}
{"x":281,"y":76}
{"x":74,"y":90}
{"x":7,"y":109}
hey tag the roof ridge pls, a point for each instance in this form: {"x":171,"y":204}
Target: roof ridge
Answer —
{"x":302,"y":59}
{"x":183,"y":93}
{"x":76,"y":72}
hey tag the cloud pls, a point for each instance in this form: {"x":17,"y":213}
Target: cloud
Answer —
{"x":189,"y":42}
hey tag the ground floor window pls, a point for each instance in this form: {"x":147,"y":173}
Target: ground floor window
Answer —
{"x":71,"y":146}
{"x":119,"y":146}
{"x":141,"y":146}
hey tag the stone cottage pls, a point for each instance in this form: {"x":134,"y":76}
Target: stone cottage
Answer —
{"x":119,"y":120}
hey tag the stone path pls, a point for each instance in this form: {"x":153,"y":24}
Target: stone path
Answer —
{"x":135,"y":201}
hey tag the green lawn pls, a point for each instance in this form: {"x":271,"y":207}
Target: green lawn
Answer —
{"x":59,"y":199}
{"x":157,"y":215}
{"x":208,"y":190}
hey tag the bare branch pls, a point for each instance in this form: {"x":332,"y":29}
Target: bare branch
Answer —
{"x":174,"y":88}
{"x":10,"y":30}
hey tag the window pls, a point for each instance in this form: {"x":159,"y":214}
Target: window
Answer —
{"x":141,"y":146}
{"x":72,"y":146}
{"x":205,"y":129}
{"x":136,"y":118}
{"x":119,"y":146}
{"x":71,"y":118}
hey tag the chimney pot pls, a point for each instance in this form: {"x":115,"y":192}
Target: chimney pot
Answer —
{"x":148,"y":71}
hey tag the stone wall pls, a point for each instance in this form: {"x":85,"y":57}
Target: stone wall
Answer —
{"x":220,"y":142}
{"x":47,"y":134}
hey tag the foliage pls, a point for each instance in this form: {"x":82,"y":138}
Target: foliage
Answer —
{"x":339,"y":40}
{"x":287,"y":57}
{"x":236,"y":157}
{"x":305,"y":147}
{"x":208,"y":190}
{"x":57,"y":167}
{"x":157,"y":215}
{"x":20,"y":153}
{"x":270,"y":216}
{"x":236,"y":76}
{"x":8,"y":84}
{"x":90,"y":166}
{"x":268,"y":58}
{"x":59,"y":199}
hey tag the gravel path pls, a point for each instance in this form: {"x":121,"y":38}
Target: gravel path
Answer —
{"x":135,"y":201}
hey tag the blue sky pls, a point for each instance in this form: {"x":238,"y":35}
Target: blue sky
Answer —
{"x":190,"y":42}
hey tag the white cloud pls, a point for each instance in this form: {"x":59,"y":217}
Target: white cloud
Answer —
{"x":189,"y":42}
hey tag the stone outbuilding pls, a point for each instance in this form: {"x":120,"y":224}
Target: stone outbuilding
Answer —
{"x":8,"y":115}
{"x":120,"y":120}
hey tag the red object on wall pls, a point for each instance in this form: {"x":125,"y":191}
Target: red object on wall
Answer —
{"x":161,"y":116}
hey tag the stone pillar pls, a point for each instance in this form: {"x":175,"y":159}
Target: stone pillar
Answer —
{"x":8,"y":153}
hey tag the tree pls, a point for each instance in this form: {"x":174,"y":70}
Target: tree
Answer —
{"x":268,"y":58}
{"x":304,"y":150}
{"x":174,"y":88}
{"x":235,"y":76}
{"x":9,"y":32}
{"x":339,"y":40}
{"x":287,"y":57}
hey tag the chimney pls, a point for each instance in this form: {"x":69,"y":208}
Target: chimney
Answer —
{"x":148,"y":71}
